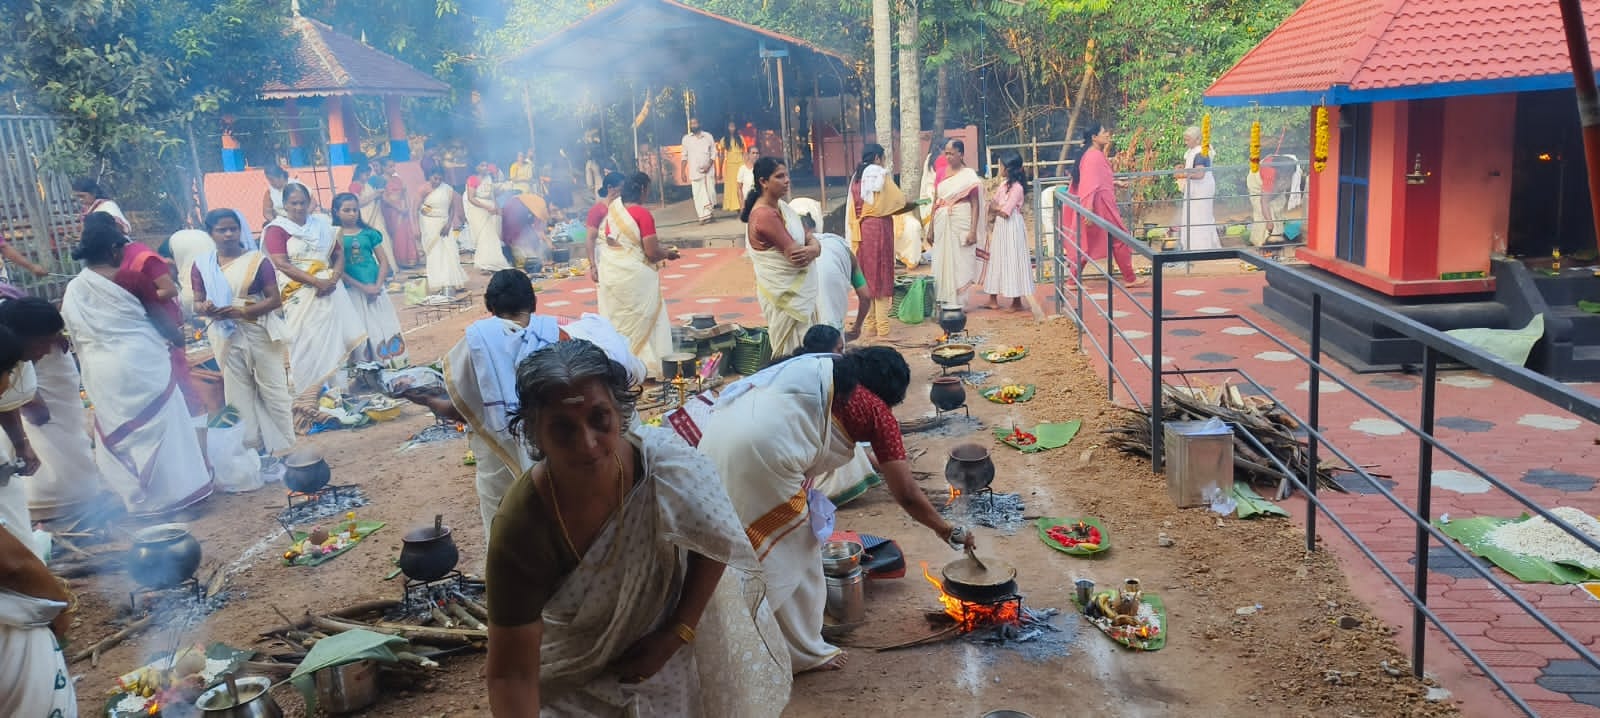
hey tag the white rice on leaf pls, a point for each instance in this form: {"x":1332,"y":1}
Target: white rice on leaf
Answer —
{"x":1539,"y":538}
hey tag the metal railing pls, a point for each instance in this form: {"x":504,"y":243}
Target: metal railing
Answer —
{"x":38,"y":215}
{"x":1435,"y":345}
{"x":1162,"y":213}
{"x":1036,"y":156}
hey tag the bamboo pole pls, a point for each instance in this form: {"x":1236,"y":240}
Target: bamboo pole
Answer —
{"x":1588,"y":98}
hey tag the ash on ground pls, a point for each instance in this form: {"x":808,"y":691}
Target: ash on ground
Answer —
{"x":947,"y":424}
{"x":435,"y":434}
{"x":1040,"y":635}
{"x":1002,"y":512}
{"x":177,"y":609}
{"x":309,"y":510}
{"x":974,"y":378}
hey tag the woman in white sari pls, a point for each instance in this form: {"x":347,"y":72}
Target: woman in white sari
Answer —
{"x":957,"y":215}
{"x":147,"y":448}
{"x":773,"y":436}
{"x":322,"y":325}
{"x":368,"y":189}
{"x":483,"y":222}
{"x":438,"y":215}
{"x":630,"y":258}
{"x":237,"y":288}
{"x":1198,"y":226}
{"x":620,"y":581}
{"x":35,"y":607}
{"x":782,"y":252}
{"x":54,"y":424}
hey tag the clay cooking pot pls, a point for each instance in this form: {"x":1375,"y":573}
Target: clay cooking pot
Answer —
{"x":306,"y":471}
{"x":428,"y":553}
{"x":163,"y":556}
{"x":952,"y":318}
{"x":969,"y":469}
{"x":947,"y":393}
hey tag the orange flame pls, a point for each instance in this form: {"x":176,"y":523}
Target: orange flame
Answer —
{"x":955,"y":493}
{"x":155,"y":708}
{"x":971,"y":616}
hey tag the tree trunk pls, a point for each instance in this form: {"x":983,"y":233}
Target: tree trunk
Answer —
{"x":941,"y":100}
{"x":910,"y":98}
{"x":882,"y":79}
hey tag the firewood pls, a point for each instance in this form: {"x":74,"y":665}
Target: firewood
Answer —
{"x":361,"y":609}
{"x":414,"y":659}
{"x":437,"y":636}
{"x":113,"y":639}
{"x":464,"y":618}
{"x":275,"y":671}
{"x":439,"y":616}
{"x":478,"y":610}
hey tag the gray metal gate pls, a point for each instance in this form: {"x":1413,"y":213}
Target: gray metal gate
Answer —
{"x":38,"y":215}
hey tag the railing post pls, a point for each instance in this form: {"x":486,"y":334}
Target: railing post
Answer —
{"x":1419,"y":622}
{"x":1313,"y":412}
{"x":1157,"y":461}
{"x":1111,"y":325}
{"x":1077,"y":276}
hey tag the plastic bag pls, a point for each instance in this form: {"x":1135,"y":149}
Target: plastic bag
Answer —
{"x":416,"y":291}
{"x":913,"y":308}
{"x":237,"y":468}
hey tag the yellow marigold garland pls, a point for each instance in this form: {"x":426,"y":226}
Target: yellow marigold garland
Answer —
{"x":1319,"y":149}
{"x":1255,"y":146}
{"x":1205,"y":134}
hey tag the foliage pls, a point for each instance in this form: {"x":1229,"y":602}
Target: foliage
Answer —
{"x":126,"y":76}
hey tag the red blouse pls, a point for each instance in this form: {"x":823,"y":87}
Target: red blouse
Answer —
{"x":866,"y":418}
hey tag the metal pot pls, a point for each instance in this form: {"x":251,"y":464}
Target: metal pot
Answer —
{"x":841,"y":558}
{"x":847,"y":597}
{"x":947,"y":393}
{"x":428,"y":553}
{"x":560,"y":255}
{"x":677,"y":364}
{"x":969,"y":469}
{"x":255,"y":700}
{"x":348,"y":687}
{"x":952,"y":318}
{"x":950,"y":355}
{"x":965,"y":579}
{"x":305,"y":471}
{"x":163,"y":556}
{"x":703,"y":321}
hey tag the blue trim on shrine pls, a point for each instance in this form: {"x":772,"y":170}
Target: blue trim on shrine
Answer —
{"x":339,"y":155}
{"x":400,"y":150}
{"x":299,"y":157}
{"x":233,"y":160}
{"x":1343,"y":95}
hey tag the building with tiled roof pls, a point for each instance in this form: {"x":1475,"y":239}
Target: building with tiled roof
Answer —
{"x":1453,"y":139}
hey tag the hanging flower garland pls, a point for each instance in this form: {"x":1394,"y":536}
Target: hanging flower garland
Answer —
{"x":1205,"y":135}
{"x":1319,"y":149}
{"x":1255,"y":146}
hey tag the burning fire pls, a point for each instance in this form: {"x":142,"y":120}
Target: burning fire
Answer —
{"x":944,"y":338}
{"x":972,"y":616}
{"x":155,"y":708}
{"x":955,"y":493}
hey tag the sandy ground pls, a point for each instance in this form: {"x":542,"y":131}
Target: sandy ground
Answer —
{"x":1288,"y":658}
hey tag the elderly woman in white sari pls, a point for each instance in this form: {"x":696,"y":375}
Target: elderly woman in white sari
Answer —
{"x":34,"y":605}
{"x":53,"y":426}
{"x":322,"y":325}
{"x":620,"y":580}
{"x":237,"y":289}
{"x":440,"y":212}
{"x":782,"y":252}
{"x":773,"y":436}
{"x":147,"y":448}
{"x":630,"y":258}
{"x":958,"y":210}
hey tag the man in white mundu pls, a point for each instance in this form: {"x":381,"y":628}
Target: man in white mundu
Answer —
{"x":699,"y":166}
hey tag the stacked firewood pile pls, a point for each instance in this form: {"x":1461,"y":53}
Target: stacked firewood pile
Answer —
{"x":1259,"y":416}
{"x":455,"y":626}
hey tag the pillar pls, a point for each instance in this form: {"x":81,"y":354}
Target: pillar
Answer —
{"x":298,"y":157}
{"x":232,"y":153}
{"x":399,"y":145}
{"x":338,"y":141}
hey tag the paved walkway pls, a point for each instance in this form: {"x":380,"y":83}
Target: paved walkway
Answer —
{"x":1549,"y":455}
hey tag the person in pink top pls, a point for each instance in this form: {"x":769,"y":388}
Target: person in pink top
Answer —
{"x":1094,"y":187}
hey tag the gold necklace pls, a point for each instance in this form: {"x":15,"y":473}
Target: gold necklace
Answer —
{"x":555,"y":500}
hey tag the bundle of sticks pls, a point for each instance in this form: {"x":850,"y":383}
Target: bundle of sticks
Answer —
{"x":450,"y":626}
{"x":1259,"y":416}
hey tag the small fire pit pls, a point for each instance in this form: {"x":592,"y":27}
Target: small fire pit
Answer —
{"x":330,"y":500}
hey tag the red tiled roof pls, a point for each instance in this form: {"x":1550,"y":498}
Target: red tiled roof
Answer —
{"x":1347,"y":50}
{"x":333,"y":63}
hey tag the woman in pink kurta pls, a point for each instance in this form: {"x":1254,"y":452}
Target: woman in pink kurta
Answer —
{"x":1094,"y":187}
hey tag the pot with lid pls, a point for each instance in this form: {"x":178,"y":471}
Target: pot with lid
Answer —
{"x":428,"y":553}
{"x":163,"y":556}
{"x":952,"y":318}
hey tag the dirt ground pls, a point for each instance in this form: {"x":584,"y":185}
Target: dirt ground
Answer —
{"x":1287,"y":658}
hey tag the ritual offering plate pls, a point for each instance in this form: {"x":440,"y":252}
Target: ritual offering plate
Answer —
{"x":325,"y":544}
{"x":1084,"y":536}
{"x":1005,"y":354}
{"x":172,"y":680}
{"x":1129,"y":616}
{"x":1010,"y":393}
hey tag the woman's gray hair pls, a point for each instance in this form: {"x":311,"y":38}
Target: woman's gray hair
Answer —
{"x":551,"y":374}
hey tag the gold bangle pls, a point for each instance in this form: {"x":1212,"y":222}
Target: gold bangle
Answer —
{"x":683,"y":632}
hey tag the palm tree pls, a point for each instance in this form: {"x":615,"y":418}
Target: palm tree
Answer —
{"x":882,"y":78}
{"x":910,"y":97}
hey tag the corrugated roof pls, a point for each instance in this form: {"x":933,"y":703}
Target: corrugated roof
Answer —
{"x":333,"y":63}
{"x":641,"y":36}
{"x":1340,"y":51}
